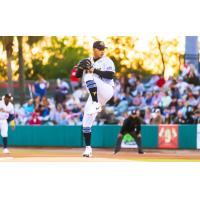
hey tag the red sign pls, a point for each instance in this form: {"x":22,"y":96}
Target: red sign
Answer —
{"x":168,"y":136}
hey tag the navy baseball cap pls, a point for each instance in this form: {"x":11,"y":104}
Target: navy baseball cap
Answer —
{"x":99,"y":45}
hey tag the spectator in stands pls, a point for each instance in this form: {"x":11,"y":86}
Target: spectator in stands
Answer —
{"x":161,"y":81}
{"x":168,"y":83}
{"x":174,"y":90}
{"x":20,"y":118}
{"x":156,"y":96}
{"x":75,"y":82}
{"x":197,"y":114}
{"x":59,"y":97}
{"x":132,"y":80}
{"x":63,"y":86}
{"x":45,"y":107}
{"x":152,"y":81}
{"x":174,"y":103}
{"x":190,"y":115}
{"x":141,"y":113}
{"x":102,"y":117}
{"x":167,"y":118}
{"x":191,"y":75}
{"x":156,"y":117}
{"x":71,"y":102}
{"x":62,"y":89}
{"x":122,"y":106}
{"x":29,"y":107}
{"x":165,"y":100}
{"x":139,"y":86}
{"x":185,"y":70}
{"x":124,"y":84}
{"x":58,"y":116}
{"x":34,"y":120}
{"x":148,"y":98}
{"x":155,"y":107}
{"x":191,"y":99}
{"x":147,"y":116}
{"x":138,"y":101}
{"x":179,"y":119}
{"x":182,"y":85}
{"x":180,"y":105}
{"x":80,"y":93}
{"x":40,"y":87}
{"x":129,"y":99}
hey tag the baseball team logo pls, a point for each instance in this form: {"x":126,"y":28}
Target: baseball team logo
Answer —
{"x":168,"y":136}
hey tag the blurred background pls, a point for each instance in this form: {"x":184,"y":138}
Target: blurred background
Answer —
{"x":153,"y":74}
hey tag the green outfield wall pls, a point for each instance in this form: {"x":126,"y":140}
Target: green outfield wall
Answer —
{"x":102,"y":136}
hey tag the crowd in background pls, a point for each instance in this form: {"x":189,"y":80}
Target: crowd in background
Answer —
{"x":158,"y":101}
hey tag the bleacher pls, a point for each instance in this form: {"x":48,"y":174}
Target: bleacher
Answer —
{"x":50,"y":91}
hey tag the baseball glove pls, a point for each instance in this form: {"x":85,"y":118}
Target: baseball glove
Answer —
{"x":85,"y":64}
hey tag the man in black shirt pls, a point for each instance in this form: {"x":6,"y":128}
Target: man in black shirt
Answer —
{"x":131,"y":125}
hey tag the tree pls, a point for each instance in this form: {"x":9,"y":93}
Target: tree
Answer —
{"x":3,"y":70}
{"x":161,"y":54}
{"x":63,"y":54}
{"x":31,"y":40}
{"x":21,"y":70}
{"x":164,"y":56}
{"x":125,"y":56}
{"x":7,"y":42}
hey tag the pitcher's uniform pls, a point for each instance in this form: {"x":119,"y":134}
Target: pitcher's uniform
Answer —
{"x":4,"y":116}
{"x":97,"y":75}
{"x":105,"y":87}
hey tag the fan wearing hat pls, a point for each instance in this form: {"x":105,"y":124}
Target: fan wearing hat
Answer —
{"x":97,"y":73}
{"x":131,"y":125}
{"x":6,"y":115}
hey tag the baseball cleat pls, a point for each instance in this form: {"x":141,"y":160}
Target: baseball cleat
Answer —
{"x":88,"y":152}
{"x":94,"y":108}
{"x":140,"y":151}
{"x":6,"y":151}
{"x":117,"y":150}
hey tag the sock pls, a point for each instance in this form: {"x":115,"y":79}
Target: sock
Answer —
{"x":87,"y":139}
{"x":92,"y":87}
{"x":5,"y":142}
{"x":87,"y":135}
{"x":118,"y":144}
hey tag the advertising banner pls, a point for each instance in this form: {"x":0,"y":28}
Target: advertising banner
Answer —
{"x":128,"y":142}
{"x":168,"y":136}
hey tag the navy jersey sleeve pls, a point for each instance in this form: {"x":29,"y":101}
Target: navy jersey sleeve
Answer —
{"x":104,"y":74}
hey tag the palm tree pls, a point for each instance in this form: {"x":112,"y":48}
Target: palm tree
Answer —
{"x":7,"y":42}
{"x":31,"y":40}
{"x":34,"y":39}
{"x":21,"y":70}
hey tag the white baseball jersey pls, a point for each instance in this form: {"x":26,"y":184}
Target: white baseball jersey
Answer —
{"x":9,"y":108}
{"x":104,"y":64}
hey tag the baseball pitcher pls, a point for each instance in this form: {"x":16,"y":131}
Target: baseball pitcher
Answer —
{"x":97,"y":73}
